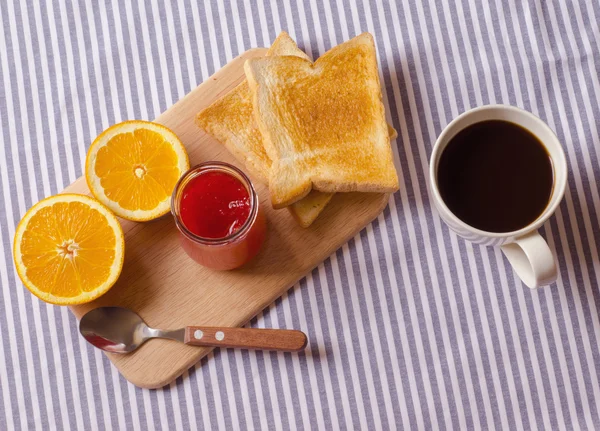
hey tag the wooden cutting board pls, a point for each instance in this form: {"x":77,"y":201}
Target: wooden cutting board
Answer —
{"x":170,"y":291}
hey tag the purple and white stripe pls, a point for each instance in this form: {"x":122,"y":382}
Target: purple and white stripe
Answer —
{"x":410,"y":327}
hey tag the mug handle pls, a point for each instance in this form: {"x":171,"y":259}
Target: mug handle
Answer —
{"x":532,"y":260}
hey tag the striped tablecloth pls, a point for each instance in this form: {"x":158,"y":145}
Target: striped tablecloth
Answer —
{"x":410,"y":327}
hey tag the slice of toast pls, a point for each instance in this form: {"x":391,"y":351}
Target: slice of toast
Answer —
{"x":230,"y":120}
{"x":323,"y":124}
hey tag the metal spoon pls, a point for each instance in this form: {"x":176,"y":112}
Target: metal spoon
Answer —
{"x":120,"y":330}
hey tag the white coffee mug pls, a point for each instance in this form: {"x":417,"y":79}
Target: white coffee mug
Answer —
{"x":526,"y":250}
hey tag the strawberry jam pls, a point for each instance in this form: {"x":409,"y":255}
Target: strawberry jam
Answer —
{"x":214,"y":205}
{"x":218,"y":216}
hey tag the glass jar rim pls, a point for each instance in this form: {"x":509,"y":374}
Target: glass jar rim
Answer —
{"x":199,"y":170}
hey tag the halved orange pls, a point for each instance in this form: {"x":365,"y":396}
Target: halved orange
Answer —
{"x":133,"y":167}
{"x":68,"y":249}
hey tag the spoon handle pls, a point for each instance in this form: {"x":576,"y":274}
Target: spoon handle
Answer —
{"x":246,"y":338}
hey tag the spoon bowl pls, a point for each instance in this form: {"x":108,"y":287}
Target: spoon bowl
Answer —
{"x":114,"y":329}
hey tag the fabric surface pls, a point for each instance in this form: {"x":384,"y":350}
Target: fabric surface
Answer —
{"x":410,"y":326}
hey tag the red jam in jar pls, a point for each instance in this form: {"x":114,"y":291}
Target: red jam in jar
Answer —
{"x":214,"y":205}
{"x":217,"y":212}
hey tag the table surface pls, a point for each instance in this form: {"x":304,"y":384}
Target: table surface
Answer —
{"x":409,"y":326}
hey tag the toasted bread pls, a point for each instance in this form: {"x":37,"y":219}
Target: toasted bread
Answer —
{"x":231,"y":122}
{"x":323,"y":124}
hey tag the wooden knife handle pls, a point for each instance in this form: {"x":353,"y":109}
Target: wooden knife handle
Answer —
{"x":246,"y":338}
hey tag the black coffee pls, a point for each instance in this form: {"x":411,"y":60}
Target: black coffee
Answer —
{"x":495,"y":176}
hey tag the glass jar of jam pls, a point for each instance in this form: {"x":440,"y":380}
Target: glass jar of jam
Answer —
{"x":218,"y":215}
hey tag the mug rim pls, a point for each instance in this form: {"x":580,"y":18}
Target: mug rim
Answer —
{"x":559,"y":162}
